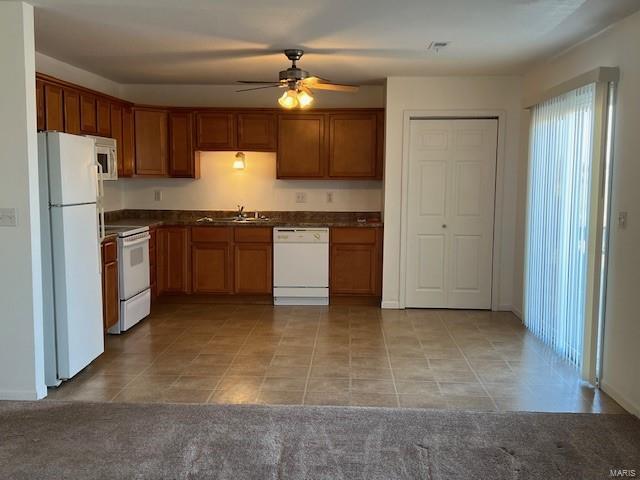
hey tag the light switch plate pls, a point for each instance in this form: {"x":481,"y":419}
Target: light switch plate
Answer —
{"x":301,"y":197}
{"x":622,"y":220}
{"x":329,"y":197}
{"x":157,"y":195}
{"x":8,"y":217}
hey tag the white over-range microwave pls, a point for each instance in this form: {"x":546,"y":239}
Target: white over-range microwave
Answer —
{"x":106,"y":157}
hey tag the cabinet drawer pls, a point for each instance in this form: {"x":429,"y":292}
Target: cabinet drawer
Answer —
{"x":211,"y":234}
{"x":360,"y":235}
{"x":253,"y":234}
{"x":109,"y":252}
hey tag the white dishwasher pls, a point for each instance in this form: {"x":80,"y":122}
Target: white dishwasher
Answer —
{"x":301,"y":266}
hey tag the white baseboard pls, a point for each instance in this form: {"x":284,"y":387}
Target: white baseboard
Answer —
{"x":20,"y":395}
{"x":517,"y":313}
{"x":391,"y":304}
{"x":624,"y":402}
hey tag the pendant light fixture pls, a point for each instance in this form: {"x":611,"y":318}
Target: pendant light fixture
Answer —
{"x":239,"y":163}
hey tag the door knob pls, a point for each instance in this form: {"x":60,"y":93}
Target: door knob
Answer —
{"x":444,"y":225}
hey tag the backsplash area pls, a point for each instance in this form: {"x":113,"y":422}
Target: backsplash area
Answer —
{"x":256,"y":187}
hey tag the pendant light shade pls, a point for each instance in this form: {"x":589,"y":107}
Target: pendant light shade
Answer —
{"x":288,"y":99}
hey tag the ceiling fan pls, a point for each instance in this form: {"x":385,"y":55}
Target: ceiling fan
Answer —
{"x":298,"y":83}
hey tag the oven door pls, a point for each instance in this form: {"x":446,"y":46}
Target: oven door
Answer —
{"x":134,"y":265}
{"x":106,"y":157}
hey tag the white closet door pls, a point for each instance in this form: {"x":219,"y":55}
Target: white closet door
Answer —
{"x":452,"y":166}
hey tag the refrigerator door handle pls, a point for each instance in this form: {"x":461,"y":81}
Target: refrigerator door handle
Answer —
{"x":101,"y":233}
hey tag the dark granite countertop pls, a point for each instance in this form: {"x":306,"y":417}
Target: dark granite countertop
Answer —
{"x":222,"y":218}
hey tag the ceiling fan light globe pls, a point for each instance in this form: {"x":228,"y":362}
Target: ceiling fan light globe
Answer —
{"x":305,"y":99}
{"x":288,"y":99}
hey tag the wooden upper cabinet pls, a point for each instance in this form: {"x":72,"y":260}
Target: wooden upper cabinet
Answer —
{"x":183,"y":160}
{"x":353,"y":145}
{"x":40,"y":104}
{"x":301,"y":150}
{"x":116,"y":131}
{"x":103,"y":109}
{"x":355,"y":261}
{"x":257,"y":131}
{"x":53,"y":108}
{"x":126,"y":160}
{"x":173,"y":260}
{"x":151,"y":142}
{"x":71,"y":111}
{"x":88,"y":114}
{"x":215,"y":131}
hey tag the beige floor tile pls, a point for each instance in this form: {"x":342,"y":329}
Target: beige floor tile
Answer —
{"x":417,"y":388}
{"x":327,"y":398}
{"x":373,"y":399}
{"x":328,"y":385}
{"x":235,"y":395}
{"x":196,"y":382}
{"x":462,"y":389}
{"x":146,"y":381}
{"x":372,"y":386}
{"x":283,"y":384}
{"x":272,"y":397}
{"x":288,"y":372}
{"x":185,"y":395}
{"x":422,"y":401}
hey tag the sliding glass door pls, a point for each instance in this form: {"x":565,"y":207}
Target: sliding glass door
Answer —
{"x":559,"y":220}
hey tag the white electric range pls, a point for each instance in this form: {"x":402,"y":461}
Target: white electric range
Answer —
{"x":134,"y":283}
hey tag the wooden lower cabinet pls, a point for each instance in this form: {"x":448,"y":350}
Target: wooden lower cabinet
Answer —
{"x":212,"y":259}
{"x":253,"y":258}
{"x":355,"y":261}
{"x":110,"y":297}
{"x":173,"y":260}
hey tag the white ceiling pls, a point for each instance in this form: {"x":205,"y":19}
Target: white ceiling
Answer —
{"x":361,"y":41}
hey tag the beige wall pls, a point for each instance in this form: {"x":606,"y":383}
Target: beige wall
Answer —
{"x":257,"y":186}
{"x":459,"y":95}
{"x":616,"y":47}
{"x":21,"y":340}
{"x":223,"y":188}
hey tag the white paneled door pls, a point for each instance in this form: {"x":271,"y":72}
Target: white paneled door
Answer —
{"x":452,"y":171}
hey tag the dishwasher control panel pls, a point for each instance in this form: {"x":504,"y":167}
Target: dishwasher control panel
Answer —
{"x":301,"y":235}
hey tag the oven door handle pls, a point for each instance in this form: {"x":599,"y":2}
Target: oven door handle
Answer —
{"x":131,"y":243}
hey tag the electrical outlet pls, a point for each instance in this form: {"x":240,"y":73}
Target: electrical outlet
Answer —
{"x":301,"y":197}
{"x":157,"y":195}
{"x":329,"y":197}
{"x":622,"y":220}
{"x":8,"y":217}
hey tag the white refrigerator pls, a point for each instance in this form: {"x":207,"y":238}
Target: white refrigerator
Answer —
{"x":72,"y":226}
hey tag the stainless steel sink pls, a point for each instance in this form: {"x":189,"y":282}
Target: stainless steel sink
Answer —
{"x":232,"y":219}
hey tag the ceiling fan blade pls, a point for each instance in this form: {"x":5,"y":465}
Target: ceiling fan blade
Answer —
{"x":314,"y":79}
{"x":259,"y":88}
{"x":254,"y":81}
{"x":334,"y":87}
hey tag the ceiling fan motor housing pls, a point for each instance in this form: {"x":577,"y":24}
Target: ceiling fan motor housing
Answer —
{"x":293,"y":74}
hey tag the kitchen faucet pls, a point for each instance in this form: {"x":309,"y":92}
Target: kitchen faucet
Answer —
{"x":240,"y":212}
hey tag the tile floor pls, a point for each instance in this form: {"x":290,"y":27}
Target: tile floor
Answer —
{"x":342,"y":355}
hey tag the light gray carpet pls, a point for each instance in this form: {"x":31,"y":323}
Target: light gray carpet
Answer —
{"x":66,"y":440}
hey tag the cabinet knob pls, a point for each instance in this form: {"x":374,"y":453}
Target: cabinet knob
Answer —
{"x":444,"y":225}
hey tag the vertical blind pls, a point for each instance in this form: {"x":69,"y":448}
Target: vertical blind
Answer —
{"x":560,"y":161}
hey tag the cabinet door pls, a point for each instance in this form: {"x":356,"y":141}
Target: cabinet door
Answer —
{"x":257,"y":132}
{"x":182,"y":158}
{"x":253,"y":268}
{"x":301,"y":152}
{"x":104,"y":117}
{"x":126,"y":160}
{"x":88,"y":114}
{"x":173,"y":260}
{"x":355,"y":261}
{"x":353,"y":150}
{"x":71,"y":111}
{"x":116,"y":131}
{"x":110,"y":296}
{"x":212,"y":267}
{"x":53,"y":109}
{"x":215,"y":131}
{"x":151,"y":142}
{"x":40,"y":104}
